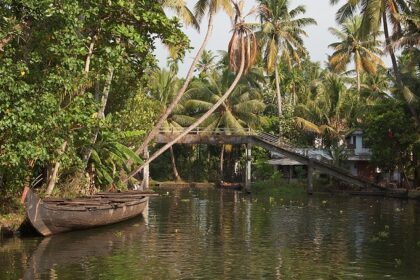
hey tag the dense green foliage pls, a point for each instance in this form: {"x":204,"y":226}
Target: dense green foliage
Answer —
{"x":72,"y":72}
{"x":79,"y":88}
{"x":310,"y":105}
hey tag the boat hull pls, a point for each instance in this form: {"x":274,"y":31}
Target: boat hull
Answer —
{"x":49,"y":219}
{"x":230,"y":186}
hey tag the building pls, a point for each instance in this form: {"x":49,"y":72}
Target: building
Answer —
{"x":356,"y":154}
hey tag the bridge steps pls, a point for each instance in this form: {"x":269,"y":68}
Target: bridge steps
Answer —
{"x":269,"y":142}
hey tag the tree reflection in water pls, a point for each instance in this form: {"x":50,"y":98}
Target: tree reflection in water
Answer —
{"x":223,"y":234}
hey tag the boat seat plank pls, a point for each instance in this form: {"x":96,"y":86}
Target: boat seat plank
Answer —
{"x":144,"y":193}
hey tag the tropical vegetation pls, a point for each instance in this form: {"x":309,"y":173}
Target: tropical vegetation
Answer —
{"x":82,"y":97}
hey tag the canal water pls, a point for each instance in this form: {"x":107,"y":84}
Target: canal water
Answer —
{"x":219,"y":234}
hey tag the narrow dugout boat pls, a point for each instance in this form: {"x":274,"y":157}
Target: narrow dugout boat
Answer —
{"x":230,"y":185}
{"x":50,"y":216}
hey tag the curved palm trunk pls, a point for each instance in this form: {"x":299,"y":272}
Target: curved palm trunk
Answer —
{"x":279,"y":99}
{"x":358,"y":81}
{"x":174,"y":169}
{"x":397,"y":72}
{"x":198,"y":121}
{"x":222,"y":153}
{"x":391,"y":51}
{"x":180,"y":93}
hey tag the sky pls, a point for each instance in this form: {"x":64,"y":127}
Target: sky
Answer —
{"x":317,"y":41}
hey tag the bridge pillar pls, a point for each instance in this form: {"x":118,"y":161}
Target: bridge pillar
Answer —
{"x":310,"y":188}
{"x":146,"y":172}
{"x":248,"y":167}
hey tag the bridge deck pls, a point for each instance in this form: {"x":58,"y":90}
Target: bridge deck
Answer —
{"x":264,"y":140}
{"x":203,"y":138}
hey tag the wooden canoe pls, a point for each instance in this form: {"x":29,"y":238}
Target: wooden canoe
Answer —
{"x":51,"y":216}
{"x":229,"y":185}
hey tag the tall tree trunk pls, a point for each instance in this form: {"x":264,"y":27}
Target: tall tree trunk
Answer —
{"x":391,"y":51}
{"x":54,"y":175}
{"x":358,"y":80}
{"x":89,"y":55}
{"x":173,"y":161}
{"x":101,"y":111}
{"x":416,"y":160}
{"x":180,"y":93}
{"x":397,"y":73}
{"x":199,"y":120}
{"x":279,"y":99}
{"x":222,"y":153}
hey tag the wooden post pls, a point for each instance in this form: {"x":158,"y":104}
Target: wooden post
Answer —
{"x":310,"y":189}
{"x":290,"y":173}
{"x":146,"y":170}
{"x":248,"y":168}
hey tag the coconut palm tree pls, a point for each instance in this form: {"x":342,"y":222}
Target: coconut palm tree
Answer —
{"x":375,"y":12}
{"x":242,"y":54}
{"x":237,"y":113}
{"x":182,"y":10}
{"x":376,"y":86}
{"x":410,"y":35}
{"x":207,"y":63}
{"x":330,"y":110}
{"x":281,"y":37}
{"x":201,"y":8}
{"x":364,"y":52}
{"x":163,"y":87}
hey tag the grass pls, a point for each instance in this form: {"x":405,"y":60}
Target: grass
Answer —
{"x":277,"y":186}
{"x":12,"y":213}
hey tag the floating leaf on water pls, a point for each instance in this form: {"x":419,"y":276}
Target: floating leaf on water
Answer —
{"x":185,"y":200}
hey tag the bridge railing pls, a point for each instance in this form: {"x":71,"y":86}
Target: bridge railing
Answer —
{"x":201,"y":130}
{"x":266,"y":137}
{"x":273,"y":139}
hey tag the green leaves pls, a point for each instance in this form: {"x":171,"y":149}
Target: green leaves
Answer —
{"x":109,"y":157}
{"x":390,"y":133}
{"x":54,"y":59}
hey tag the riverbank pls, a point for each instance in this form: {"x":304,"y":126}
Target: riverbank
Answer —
{"x":12,"y":215}
{"x":279,"y":187}
{"x":181,"y":184}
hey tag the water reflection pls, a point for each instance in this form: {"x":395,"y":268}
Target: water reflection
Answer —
{"x":80,"y":247}
{"x":221,"y":234}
